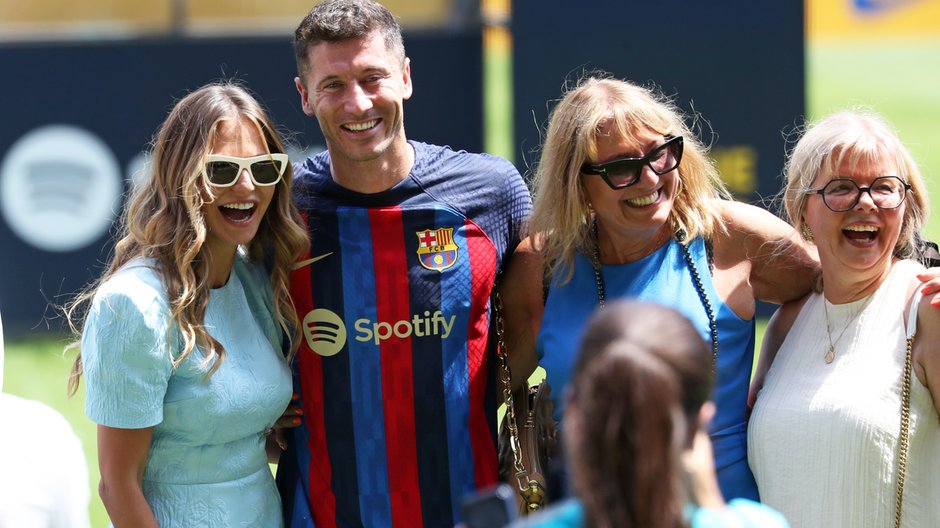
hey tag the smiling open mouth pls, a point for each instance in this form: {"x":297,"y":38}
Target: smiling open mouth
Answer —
{"x":860,"y":233}
{"x":359,"y":127}
{"x":643,"y":200}
{"x":238,"y":212}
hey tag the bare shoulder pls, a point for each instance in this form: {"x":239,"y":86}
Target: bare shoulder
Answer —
{"x":526,"y":260}
{"x":781,"y":266}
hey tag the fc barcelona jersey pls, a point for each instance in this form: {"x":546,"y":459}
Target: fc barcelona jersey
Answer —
{"x":395,"y":369}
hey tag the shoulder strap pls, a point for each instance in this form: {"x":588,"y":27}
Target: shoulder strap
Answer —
{"x":904,"y":436}
{"x":912,"y":316}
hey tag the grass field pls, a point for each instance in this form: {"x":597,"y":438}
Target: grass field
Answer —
{"x":896,"y":78}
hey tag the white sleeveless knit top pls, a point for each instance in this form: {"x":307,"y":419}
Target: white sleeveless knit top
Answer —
{"x":823,"y":438}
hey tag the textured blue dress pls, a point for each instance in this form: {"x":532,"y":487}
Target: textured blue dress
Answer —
{"x":663,"y":277}
{"x":207,"y":465}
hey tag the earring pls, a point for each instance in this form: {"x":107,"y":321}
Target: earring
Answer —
{"x":806,"y":233}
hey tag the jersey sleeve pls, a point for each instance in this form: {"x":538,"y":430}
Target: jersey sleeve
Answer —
{"x":126,"y":360}
{"x":520,"y":207}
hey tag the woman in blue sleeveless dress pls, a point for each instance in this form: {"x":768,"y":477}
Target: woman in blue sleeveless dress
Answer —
{"x":628,"y":205}
{"x":183,"y":340}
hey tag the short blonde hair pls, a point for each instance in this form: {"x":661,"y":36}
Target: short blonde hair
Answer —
{"x":559,"y":219}
{"x":857,"y":137}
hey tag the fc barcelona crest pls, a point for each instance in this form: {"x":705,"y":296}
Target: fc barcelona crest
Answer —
{"x":436,"y":248}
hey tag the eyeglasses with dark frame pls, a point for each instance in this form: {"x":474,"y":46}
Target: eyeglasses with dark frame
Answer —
{"x":842,"y":194}
{"x":624,"y":172}
{"x":265,"y":170}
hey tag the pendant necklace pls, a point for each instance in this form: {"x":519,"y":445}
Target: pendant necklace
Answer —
{"x":831,"y":352}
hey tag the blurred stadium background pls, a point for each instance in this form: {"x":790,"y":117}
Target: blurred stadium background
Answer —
{"x":876,"y":53}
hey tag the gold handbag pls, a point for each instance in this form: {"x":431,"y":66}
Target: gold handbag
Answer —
{"x":535,"y":444}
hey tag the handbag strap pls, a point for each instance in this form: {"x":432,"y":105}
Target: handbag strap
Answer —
{"x":904,"y":438}
{"x":531,"y":491}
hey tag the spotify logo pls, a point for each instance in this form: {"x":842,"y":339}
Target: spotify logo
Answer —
{"x":324,"y":331}
{"x":60,"y":188}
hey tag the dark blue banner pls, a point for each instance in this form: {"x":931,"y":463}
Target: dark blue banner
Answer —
{"x":739,"y":63}
{"x":78,"y":118}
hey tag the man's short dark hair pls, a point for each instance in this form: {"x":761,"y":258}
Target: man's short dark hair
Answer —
{"x":338,"y":20}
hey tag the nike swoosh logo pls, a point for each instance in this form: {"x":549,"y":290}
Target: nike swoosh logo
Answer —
{"x":303,"y":263}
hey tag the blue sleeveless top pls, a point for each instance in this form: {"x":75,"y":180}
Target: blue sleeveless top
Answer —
{"x":663,"y":277}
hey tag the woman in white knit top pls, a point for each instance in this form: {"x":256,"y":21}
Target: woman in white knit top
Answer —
{"x":825,"y":433}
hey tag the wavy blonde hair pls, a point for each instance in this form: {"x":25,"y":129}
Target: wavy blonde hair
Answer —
{"x":561,"y":210}
{"x":164,"y":222}
{"x":858,"y":137}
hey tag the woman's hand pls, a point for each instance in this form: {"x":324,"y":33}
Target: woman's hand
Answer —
{"x":699,"y":463}
{"x":277,"y":438}
{"x":931,"y":285}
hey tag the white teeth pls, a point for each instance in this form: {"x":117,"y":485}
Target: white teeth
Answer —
{"x":644,"y":200}
{"x":359,"y":127}
{"x":856,"y":227}
{"x":242,"y":206}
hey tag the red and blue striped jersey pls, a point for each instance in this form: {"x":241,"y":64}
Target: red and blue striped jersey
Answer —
{"x":396,"y":370}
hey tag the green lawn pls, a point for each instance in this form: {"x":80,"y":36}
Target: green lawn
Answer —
{"x":897,"y":79}
{"x":37,"y":369}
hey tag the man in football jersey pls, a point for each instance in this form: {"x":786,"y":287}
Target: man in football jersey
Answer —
{"x":396,"y":370}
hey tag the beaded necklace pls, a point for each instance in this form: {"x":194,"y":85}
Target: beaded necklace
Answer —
{"x":696,"y":279}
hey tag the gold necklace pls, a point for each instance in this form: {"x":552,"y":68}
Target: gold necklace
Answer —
{"x":831,"y":353}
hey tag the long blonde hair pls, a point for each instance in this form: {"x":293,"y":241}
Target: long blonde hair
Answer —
{"x":164,"y":222}
{"x":559,"y":223}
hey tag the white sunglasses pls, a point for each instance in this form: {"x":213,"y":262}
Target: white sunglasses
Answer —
{"x":265,"y":170}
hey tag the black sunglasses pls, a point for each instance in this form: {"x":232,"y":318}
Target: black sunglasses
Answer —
{"x":624,"y":172}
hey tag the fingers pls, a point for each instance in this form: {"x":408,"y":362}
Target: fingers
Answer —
{"x":292,"y":416}
{"x":290,"y":419}
{"x":931,"y":285}
{"x":280,"y":438}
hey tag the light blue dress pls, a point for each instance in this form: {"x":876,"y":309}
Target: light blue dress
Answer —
{"x":207,"y":465}
{"x":740,"y":513}
{"x":663,"y":277}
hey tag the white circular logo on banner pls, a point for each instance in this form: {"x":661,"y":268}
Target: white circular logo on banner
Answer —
{"x":60,"y":188}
